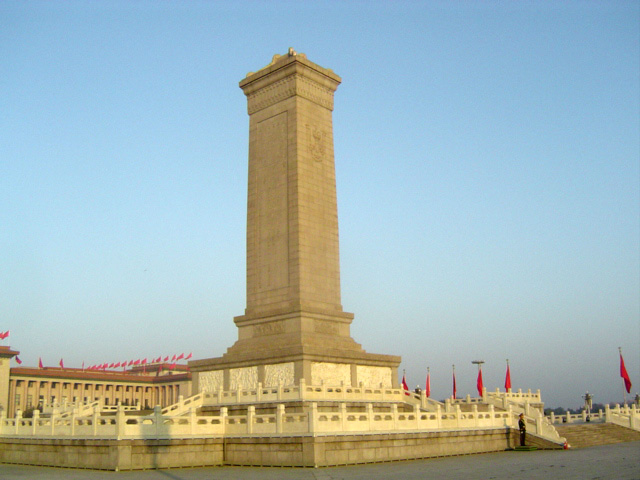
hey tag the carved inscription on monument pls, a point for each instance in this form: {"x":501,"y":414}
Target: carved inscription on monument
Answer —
{"x":268,"y":329}
{"x":322,"y":326}
{"x":272,"y":246}
{"x":316,"y":138}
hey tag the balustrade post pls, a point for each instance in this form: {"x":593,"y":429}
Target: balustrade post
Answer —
{"x":18,"y":420}
{"x":423,"y":399}
{"x":458,"y":415}
{"x":303,"y":387}
{"x":447,"y":405}
{"x":394,"y":415}
{"x":279,"y":392}
{"x":439,"y":416}
{"x":72,"y":420}
{"x":370,"y":416}
{"x":313,"y":417}
{"x":36,"y":421}
{"x":120,"y":423}
{"x":279,"y":416}
{"x":539,"y":425}
{"x":251,"y":413}
{"x":416,"y":413}
{"x":484,"y":394}
{"x":238,"y":394}
{"x":224,"y":413}
{"x":568,"y":416}
{"x":552,"y":416}
{"x":192,"y":420}
{"x":94,"y":420}
{"x":54,"y":418}
{"x":259,"y":392}
{"x":474,"y":410}
{"x":343,"y":416}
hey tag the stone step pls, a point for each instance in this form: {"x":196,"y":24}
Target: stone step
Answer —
{"x":591,"y":434}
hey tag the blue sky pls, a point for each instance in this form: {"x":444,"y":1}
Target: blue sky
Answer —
{"x":487,"y":160}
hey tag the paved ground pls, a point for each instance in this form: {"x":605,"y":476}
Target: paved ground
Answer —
{"x":619,"y":462}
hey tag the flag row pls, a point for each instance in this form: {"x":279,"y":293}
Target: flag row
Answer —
{"x":507,"y":381}
{"x":130,"y":363}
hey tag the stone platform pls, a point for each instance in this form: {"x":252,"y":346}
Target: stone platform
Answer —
{"x":285,"y":451}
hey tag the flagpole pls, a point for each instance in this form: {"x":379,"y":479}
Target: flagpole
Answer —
{"x":454,"y":381}
{"x":624,"y":387}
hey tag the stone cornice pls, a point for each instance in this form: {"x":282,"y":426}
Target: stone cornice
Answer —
{"x":286,"y":77}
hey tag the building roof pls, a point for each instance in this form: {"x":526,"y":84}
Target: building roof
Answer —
{"x":152,"y":377}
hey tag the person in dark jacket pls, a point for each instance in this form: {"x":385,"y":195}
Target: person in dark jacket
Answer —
{"x":522,"y":426}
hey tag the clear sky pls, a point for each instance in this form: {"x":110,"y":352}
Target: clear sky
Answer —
{"x":488,"y":173}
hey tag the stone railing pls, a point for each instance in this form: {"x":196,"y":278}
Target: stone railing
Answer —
{"x":81,"y":409}
{"x":518,"y":400}
{"x":625,"y":416}
{"x":316,"y":420}
{"x":311,"y":393}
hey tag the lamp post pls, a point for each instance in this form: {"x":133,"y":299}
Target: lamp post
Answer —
{"x":588,"y":403}
{"x":479,"y":383}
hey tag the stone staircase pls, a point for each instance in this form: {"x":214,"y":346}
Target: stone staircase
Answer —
{"x":581,"y":435}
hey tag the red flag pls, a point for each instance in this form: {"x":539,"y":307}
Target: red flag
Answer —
{"x":404,"y":385}
{"x":40,"y":363}
{"x":4,"y":335}
{"x":143,"y":361}
{"x":507,"y":379}
{"x":18,"y":360}
{"x":137,"y":362}
{"x":625,"y":375}
{"x":166,"y":359}
{"x":180,"y":357}
{"x":172,"y":366}
{"x":427,"y":388}
{"x":455,"y":390}
{"x":116,"y":365}
{"x":188,"y":356}
{"x":174,"y":357}
{"x":61,"y":364}
{"x":479,"y":384}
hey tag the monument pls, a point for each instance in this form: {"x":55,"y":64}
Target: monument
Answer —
{"x":294,"y":327}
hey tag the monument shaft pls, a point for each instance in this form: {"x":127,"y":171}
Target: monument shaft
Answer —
{"x":293,"y":327}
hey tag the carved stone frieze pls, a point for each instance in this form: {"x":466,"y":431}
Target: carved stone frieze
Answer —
{"x":243,"y":378}
{"x":279,"y":374}
{"x":330,"y":373}
{"x":212,"y":381}
{"x":288,"y":87}
{"x":374,"y":376}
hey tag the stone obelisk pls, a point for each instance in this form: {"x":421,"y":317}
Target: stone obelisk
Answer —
{"x":293,"y":327}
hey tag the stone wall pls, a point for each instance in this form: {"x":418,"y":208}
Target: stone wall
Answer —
{"x":286,"y":451}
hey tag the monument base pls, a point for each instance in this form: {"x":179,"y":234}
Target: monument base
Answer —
{"x":287,"y":451}
{"x":283,"y":348}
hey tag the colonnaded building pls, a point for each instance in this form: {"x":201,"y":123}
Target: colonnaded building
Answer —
{"x":143,"y":387}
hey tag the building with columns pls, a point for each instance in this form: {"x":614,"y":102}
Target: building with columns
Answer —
{"x":24,"y":388}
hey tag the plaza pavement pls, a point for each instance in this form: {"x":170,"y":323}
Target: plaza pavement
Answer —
{"x":615,"y":462}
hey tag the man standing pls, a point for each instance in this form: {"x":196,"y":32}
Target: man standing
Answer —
{"x":523,"y":428}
